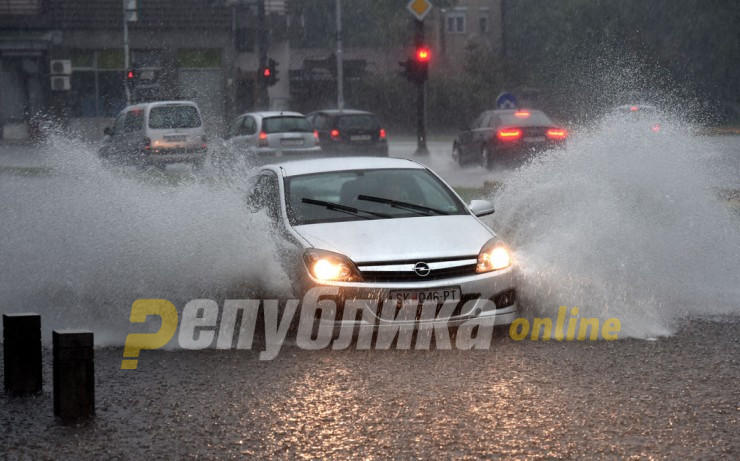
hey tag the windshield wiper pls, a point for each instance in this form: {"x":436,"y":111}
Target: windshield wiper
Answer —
{"x":405,"y":205}
{"x":343,"y":208}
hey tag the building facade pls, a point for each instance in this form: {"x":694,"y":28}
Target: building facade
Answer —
{"x":206,"y":51}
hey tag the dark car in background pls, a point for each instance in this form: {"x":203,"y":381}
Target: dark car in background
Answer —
{"x":349,"y":132}
{"x":499,"y":137}
{"x":645,"y":115}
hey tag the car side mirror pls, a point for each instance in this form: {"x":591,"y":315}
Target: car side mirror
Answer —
{"x":481,"y":207}
{"x":108,"y":131}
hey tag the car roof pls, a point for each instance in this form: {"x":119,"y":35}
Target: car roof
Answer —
{"x":274,"y":113}
{"x":321,"y":165}
{"x":343,"y":112}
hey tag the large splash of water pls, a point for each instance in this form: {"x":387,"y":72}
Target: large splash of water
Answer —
{"x":81,"y":244}
{"x":625,"y":223}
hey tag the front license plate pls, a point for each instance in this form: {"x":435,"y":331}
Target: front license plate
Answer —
{"x":415,"y":297}
{"x":535,"y":139}
{"x":364,"y":137}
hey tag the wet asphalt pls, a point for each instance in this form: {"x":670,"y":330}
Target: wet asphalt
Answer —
{"x":672,"y":398}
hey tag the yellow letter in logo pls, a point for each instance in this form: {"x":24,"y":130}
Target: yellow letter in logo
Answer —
{"x":138,"y":341}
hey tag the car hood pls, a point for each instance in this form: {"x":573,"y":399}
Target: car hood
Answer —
{"x":400,"y":239}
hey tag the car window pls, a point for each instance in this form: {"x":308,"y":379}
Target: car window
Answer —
{"x":534,"y":118}
{"x":286,"y":124}
{"x":321,"y":122}
{"x":134,"y":121}
{"x":477,"y":123}
{"x":249,"y":127}
{"x":174,"y":116}
{"x":235,"y":126}
{"x":416,"y":186}
{"x":266,"y":194}
{"x":365,"y":122}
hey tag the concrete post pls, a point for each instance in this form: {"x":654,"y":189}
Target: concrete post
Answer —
{"x":74,"y":374}
{"x":22,"y":353}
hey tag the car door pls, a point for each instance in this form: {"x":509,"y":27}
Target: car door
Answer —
{"x":112,"y":142}
{"x":132,"y":139}
{"x":246,"y":135}
{"x":481,"y":133}
{"x":466,"y":140}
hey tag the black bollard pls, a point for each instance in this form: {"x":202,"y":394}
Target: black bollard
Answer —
{"x":22,"y":353}
{"x":74,"y":374}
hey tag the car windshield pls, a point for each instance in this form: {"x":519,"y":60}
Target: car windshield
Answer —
{"x":175,"y":116}
{"x":524,"y":118}
{"x":286,"y":125}
{"x":325,"y":197}
{"x":364,"y":122}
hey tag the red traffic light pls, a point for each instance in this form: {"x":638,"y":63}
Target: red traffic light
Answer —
{"x":423,"y":54}
{"x":266,"y":72}
{"x":130,"y":75}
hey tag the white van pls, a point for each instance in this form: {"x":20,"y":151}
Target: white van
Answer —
{"x":157,"y":133}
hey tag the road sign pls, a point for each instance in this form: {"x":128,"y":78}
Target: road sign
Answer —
{"x":131,"y":10}
{"x":506,"y":101}
{"x":419,"y":8}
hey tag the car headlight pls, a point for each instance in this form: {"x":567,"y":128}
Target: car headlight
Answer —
{"x":330,"y":267}
{"x":494,"y":255}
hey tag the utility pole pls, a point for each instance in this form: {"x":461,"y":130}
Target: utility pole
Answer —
{"x":340,"y":58}
{"x":263,"y":98}
{"x":126,"y":57}
{"x":421,"y":132}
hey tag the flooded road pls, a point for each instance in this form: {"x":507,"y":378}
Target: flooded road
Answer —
{"x":674,"y":398}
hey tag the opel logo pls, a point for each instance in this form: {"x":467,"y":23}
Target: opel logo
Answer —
{"x":422,"y":269}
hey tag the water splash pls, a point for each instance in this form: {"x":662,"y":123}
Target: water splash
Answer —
{"x":624,"y":223}
{"x":79,"y":246}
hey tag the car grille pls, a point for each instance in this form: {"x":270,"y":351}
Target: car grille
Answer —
{"x":405,"y":271}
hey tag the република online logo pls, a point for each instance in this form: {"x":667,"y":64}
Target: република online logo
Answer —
{"x":202,"y":321}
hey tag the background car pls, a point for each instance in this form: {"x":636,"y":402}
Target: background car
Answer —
{"x":157,"y":133}
{"x":645,"y":114}
{"x":349,"y":132}
{"x":501,"y":136}
{"x":382,"y":228}
{"x":263,"y":136}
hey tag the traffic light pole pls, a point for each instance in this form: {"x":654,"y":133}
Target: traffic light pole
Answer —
{"x":421,"y":131}
{"x":126,"y":58}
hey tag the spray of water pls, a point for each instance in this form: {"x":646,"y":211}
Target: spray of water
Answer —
{"x":624,"y":223}
{"x":80,"y":245}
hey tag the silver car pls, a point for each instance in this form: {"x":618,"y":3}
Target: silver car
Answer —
{"x":265,"y":136}
{"x":386,"y":228}
{"x":157,"y":133}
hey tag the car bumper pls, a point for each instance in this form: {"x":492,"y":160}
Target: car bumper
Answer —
{"x":480,"y":298}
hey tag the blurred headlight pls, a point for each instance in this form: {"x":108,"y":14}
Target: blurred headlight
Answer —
{"x":330,"y":267}
{"x":493,"y":256}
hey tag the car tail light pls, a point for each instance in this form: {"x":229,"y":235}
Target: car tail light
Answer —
{"x":335,"y":135}
{"x":634,"y":109}
{"x":204,"y":143}
{"x":656,"y":127}
{"x":557,"y":133}
{"x":263,"y":139}
{"x":147,"y":144}
{"x":382,"y":133}
{"x":522,"y":114}
{"x":316,"y":135}
{"x":509,"y":134}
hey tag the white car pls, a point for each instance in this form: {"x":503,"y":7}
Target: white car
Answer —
{"x":157,"y":133}
{"x":264,"y":136}
{"x":386,"y":228}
